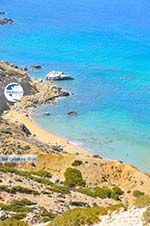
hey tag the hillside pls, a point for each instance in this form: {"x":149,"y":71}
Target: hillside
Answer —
{"x":65,"y":181}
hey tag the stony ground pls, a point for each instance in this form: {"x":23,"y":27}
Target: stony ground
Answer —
{"x":131,"y":217}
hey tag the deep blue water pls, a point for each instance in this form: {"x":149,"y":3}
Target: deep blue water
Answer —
{"x":105,"y":45}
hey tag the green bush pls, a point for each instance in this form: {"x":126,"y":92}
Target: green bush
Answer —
{"x":46,"y":213}
{"x":79,"y":217}
{"x":38,"y":176}
{"x":13,"y":222}
{"x":103,"y":193}
{"x":138,"y":193}
{"x":116,"y":207}
{"x":77,"y":163}
{"x":15,"y":208}
{"x":87,"y":191}
{"x":23,"y":202}
{"x":42,"y":173}
{"x":143,"y":201}
{"x":73,"y":178}
{"x":41,"y":180}
{"x":60,"y":189}
{"x":24,"y":190}
{"x":18,"y":189}
{"x":117,"y":190}
{"x":19,"y":216}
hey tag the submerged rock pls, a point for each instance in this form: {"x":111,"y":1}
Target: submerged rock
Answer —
{"x":46,"y":114}
{"x":32,"y":67}
{"x":4,"y":21}
{"x":2,"y":12}
{"x":72,"y":113}
{"x":57,"y":76}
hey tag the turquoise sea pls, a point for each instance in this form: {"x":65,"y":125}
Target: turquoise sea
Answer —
{"x":105,"y":46}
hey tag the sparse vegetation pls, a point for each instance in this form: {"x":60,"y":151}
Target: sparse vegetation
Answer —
{"x":79,"y":216}
{"x":77,"y":163}
{"x":60,"y":189}
{"x":46,"y":214}
{"x":15,"y":208}
{"x":83,"y":216}
{"x":103,"y":193}
{"x":73,"y":178}
{"x":24,"y":202}
{"x":19,"y":216}
{"x":38,"y":176}
{"x":117,"y":207}
{"x":138,"y":193}
{"x":18,"y":189}
{"x":13,"y":222}
{"x":142,"y":201}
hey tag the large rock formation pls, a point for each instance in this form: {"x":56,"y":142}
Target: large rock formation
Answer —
{"x":57,"y":76}
{"x":35,"y":91}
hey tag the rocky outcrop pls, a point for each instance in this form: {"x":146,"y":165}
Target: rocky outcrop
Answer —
{"x":57,"y":76}
{"x":25,"y":129}
{"x":32,"y":67}
{"x":35,"y":91}
{"x":6,"y":21}
{"x":72,"y":113}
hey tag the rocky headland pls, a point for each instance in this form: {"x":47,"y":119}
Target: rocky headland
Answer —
{"x":65,"y":181}
{"x":35,"y":91}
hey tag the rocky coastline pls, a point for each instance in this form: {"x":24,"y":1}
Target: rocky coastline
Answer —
{"x":35,"y":91}
{"x":98,"y":182}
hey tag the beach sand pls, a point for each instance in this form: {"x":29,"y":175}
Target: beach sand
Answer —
{"x":45,"y":136}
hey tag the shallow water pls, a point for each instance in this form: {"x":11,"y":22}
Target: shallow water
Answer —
{"x":105,"y":45}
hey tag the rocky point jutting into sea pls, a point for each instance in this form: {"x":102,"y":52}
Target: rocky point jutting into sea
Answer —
{"x":64,"y":176}
{"x":35,"y":91}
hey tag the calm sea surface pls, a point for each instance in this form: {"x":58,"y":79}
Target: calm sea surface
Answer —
{"x":105,"y":46}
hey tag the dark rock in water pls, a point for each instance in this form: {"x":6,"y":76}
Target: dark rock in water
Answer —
{"x":72,"y":113}
{"x":32,"y":67}
{"x":36,"y":66}
{"x":64,"y":94}
{"x":4,"y":21}
{"x":25,"y":130}
{"x":46,"y":114}
{"x":2,"y":12}
{"x":63,"y":78}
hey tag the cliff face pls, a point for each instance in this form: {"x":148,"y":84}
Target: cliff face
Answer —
{"x":11,"y":73}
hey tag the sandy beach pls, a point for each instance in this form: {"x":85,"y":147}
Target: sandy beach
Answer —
{"x":43,"y":135}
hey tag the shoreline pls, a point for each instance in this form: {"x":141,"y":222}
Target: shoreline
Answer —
{"x":94,"y":168}
{"x":72,"y":142}
{"x":46,"y":136}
